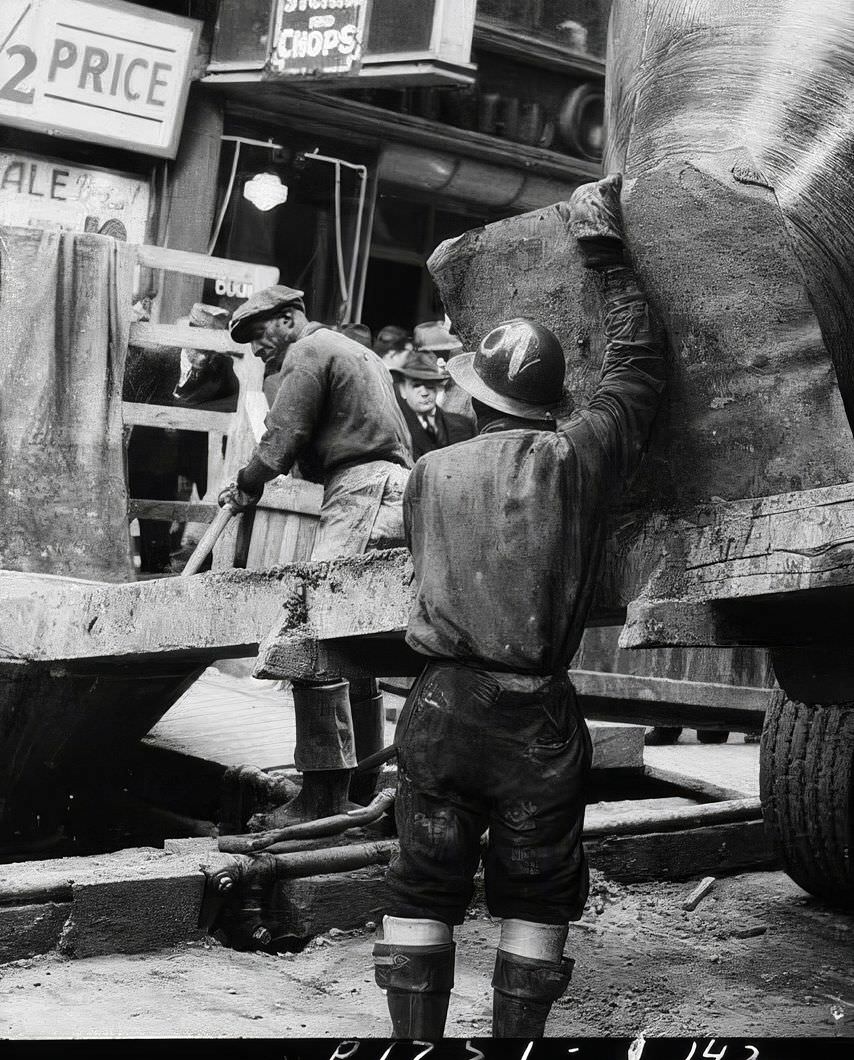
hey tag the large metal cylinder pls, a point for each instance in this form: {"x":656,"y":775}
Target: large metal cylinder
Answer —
{"x":732,"y":123}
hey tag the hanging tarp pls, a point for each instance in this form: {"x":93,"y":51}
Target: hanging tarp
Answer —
{"x":64,"y":314}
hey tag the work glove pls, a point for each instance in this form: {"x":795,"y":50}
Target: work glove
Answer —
{"x":596,"y":221}
{"x":239,"y":500}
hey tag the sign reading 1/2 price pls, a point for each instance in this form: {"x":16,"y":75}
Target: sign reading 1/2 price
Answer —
{"x":108,"y":72}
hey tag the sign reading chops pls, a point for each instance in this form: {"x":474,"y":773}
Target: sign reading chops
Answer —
{"x":318,"y":36}
{"x":99,"y":70}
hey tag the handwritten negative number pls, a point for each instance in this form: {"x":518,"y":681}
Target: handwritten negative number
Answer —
{"x":708,"y":1054}
{"x":10,"y":89}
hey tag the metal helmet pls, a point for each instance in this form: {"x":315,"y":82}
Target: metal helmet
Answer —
{"x":518,"y":368}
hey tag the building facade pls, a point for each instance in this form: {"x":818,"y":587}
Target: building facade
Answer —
{"x":337,"y":140}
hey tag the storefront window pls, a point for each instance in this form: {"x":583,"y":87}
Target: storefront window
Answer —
{"x":580,"y":25}
{"x":284,"y":209}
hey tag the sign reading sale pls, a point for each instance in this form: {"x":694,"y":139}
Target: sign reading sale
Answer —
{"x":97,"y":70}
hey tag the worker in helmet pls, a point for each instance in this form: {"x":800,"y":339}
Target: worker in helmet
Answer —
{"x":506,"y":532}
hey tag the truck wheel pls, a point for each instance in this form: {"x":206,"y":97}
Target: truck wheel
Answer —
{"x":806,"y":779}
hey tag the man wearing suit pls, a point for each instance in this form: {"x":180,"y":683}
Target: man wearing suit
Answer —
{"x":419,"y":380}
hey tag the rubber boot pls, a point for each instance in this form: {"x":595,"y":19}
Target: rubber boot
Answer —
{"x":524,"y":991}
{"x":367,"y":711}
{"x":418,"y":981}
{"x":324,"y":754}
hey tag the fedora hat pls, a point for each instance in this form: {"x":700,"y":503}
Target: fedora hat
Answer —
{"x":423,"y":366}
{"x":433,"y":335}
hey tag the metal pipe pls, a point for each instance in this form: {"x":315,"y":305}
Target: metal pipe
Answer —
{"x":333,"y":859}
{"x":378,"y":758}
{"x":253,"y":143}
{"x":325,"y":826}
{"x":347,"y":283}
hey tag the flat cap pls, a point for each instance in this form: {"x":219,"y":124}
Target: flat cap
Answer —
{"x":263,"y":305}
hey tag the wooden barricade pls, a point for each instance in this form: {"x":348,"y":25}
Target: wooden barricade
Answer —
{"x":282,"y":529}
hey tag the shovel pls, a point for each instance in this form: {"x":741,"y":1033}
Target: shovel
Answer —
{"x":209,"y":539}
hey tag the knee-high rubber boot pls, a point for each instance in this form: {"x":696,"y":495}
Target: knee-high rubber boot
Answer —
{"x":418,"y":981}
{"x":366,"y":708}
{"x":324,"y":755}
{"x":524,"y":991}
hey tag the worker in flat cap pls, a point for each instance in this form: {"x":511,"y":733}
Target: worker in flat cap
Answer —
{"x":419,"y":382}
{"x":506,"y":533}
{"x":334,"y":413}
{"x":271,"y":320}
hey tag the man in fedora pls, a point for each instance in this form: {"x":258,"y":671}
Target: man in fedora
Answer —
{"x":334,"y":411}
{"x":506,"y":532}
{"x":419,"y":381}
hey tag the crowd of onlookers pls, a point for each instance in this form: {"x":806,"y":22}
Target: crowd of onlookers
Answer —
{"x":172,"y":465}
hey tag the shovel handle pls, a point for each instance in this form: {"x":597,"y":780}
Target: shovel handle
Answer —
{"x":210,"y":537}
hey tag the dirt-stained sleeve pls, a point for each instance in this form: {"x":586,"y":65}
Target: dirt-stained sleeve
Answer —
{"x":624,"y":404}
{"x":295,"y":413}
{"x":411,"y":497}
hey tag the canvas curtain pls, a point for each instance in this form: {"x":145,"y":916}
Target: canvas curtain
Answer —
{"x":64,"y":314}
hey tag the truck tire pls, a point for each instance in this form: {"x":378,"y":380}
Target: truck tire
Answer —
{"x":806,"y":779}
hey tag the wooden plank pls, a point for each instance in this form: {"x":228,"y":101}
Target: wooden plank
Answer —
{"x":175,"y":417}
{"x":209,"y":615}
{"x":636,"y":687}
{"x":171,"y":511}
{"x":784,"y":543}
{"x":314,"y":904}
{"x":146,"y":334}
{"x":210,"y":268}
{"x":674,"y":818}
{"x":298,"y":655}
{"x":694,"y":786}
{"x":748,"y":667}
{"x":625,"y":809}
{"x":713,"y":850}
{"x":645,"y":700}
{"x":805,"y":617}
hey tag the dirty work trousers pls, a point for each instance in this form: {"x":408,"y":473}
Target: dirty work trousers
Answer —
{"x":506,"y":752}
{"x":362,"y":510}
